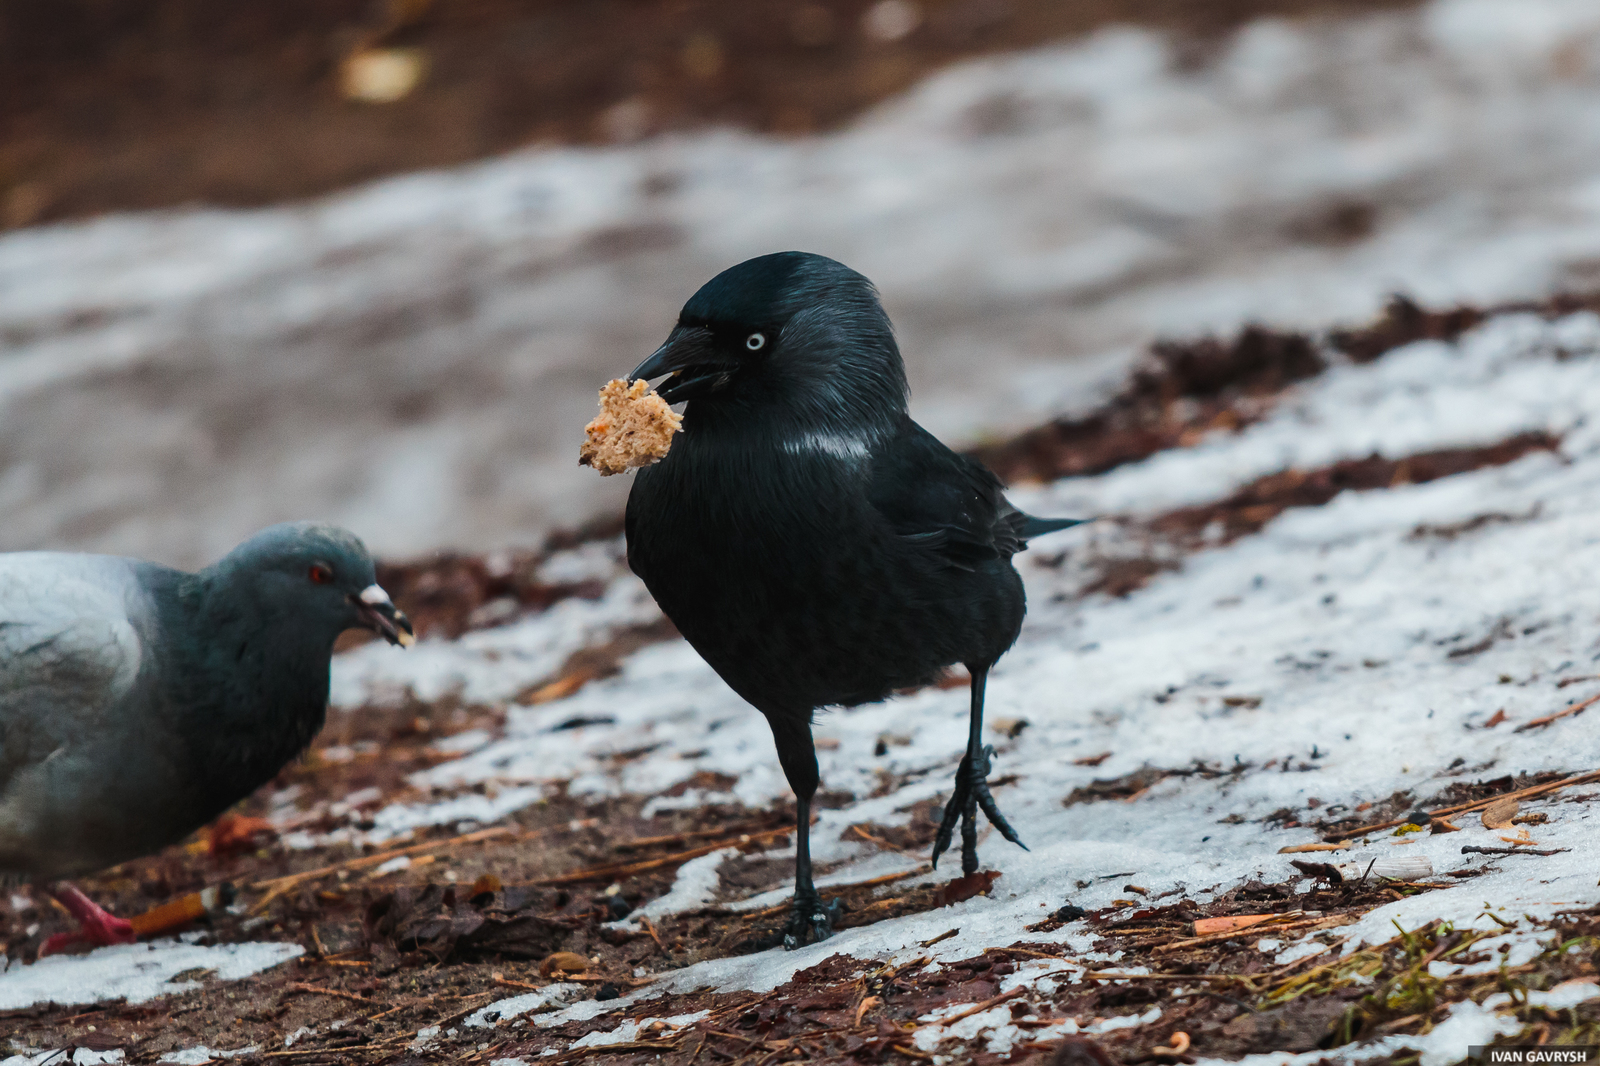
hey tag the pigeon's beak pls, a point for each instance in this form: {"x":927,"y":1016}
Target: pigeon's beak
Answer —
{"x":697,"y":368}
{"x":379,"y":614}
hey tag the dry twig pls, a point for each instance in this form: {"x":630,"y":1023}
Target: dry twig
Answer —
{"x":1576,"y":708}
{"x":619,"y":870}
{"x":1256,"y":930}
{"x":979,"y":1008}
{"x":277,"y":886}
{"x":314,"y":990}
{"x":1462,"y":808}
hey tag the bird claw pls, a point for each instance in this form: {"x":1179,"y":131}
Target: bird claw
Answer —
{"x":99,"y":933}
{"x":971,"y":795}
{"x":809,"y":919}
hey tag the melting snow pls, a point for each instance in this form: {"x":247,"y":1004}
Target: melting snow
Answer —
{"x":1032,"y":220}
{"x":138,"y":972}
{"x":61,"y":1057}
{"x":506,"y":1009}
{"x":630,"y":1030}
{"x":199,"y":1056}
{"x":1340,"y":620}
{"x":695,"y":885}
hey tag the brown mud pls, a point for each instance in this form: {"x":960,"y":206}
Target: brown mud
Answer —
{"x":157,"y":103}
{"x":476,"y":913}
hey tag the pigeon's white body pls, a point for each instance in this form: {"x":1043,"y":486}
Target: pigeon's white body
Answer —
{"x":73,"y":634}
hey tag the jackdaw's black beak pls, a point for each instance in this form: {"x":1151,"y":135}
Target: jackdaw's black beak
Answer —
{"x":697,"y":368}
{"x":379,"y":614}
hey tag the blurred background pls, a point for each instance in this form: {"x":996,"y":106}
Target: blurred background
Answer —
{"x":368,"y":260}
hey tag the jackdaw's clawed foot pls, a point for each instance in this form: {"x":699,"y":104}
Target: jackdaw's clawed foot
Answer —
{"x":971,"y":794}
{"x":809,"y":920}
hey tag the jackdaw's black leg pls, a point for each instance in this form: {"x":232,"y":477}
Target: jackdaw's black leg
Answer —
{"x":972,"y":789}
{"x":809,"y":919}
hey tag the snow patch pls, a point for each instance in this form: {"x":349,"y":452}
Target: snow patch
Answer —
{"x":514,"y":1006}
{"x":633,"y":1029}
{"x":1372,"y":638}
{"x":695,"y":885}
{"x":199,"y":1056}
{"x":138,"y":972}
{"x":1032,"y":219}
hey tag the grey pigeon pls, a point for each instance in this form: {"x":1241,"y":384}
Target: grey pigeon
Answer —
{"x":138,"y":702}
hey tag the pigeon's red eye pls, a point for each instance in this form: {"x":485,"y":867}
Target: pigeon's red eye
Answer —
{"x":321,"y":575}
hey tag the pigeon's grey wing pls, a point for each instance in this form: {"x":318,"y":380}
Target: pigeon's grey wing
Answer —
{"x":69,"y":654}
{"x":947,"y":502}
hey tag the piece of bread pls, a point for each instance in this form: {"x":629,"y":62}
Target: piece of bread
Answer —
{"x":634,"y":428}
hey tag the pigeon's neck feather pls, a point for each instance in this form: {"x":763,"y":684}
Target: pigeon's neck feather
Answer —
{"x":253,"y":688}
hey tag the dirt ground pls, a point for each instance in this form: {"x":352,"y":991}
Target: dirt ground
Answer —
{"x":404,"y":941}
{"x":110,"y":105}
{"x":395,"y":961}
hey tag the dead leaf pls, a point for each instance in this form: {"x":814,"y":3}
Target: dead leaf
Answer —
{"x":1498,"y":814}
{"x":382,"y":75}
{"x":1080,"y":1051}
{"x":1092,"y":760}
{"x":1326,"y":871}
{"x":558,"y":689}
{"x":565,"y":961}
{"x":1296,"y":849}
{"x":1204,"y":926}
{"x":1443,"y":825}
{"x":866,"y":1005}
{"x":1180,"y":1045}
{"x":236,"y":832}
{"x":1499,"y":716}
{"x":437,"y":921}
{"x":966,"y":887}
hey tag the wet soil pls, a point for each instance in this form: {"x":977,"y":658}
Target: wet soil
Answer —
{"x":155,"y":103}
{"x":477,"y":913}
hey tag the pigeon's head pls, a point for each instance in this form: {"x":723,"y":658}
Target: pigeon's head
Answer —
{"x":788,"y":333}
{"x":314,"y":576}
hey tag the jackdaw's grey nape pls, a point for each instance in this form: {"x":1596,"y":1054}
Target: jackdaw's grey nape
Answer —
{"x":815,"y":545}
{"x":139,"y":702}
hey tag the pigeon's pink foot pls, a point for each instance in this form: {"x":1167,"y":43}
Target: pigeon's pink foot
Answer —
{"x":96,"y":926}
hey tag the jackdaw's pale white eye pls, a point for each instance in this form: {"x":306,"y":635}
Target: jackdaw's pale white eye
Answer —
{"x":756,"y":341}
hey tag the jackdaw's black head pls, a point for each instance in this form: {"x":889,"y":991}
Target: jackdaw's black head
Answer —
{"x":793,"y":335}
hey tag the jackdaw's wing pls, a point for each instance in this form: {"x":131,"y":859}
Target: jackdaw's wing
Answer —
{"x":69,"y":653}
{"x":948,"y":503}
